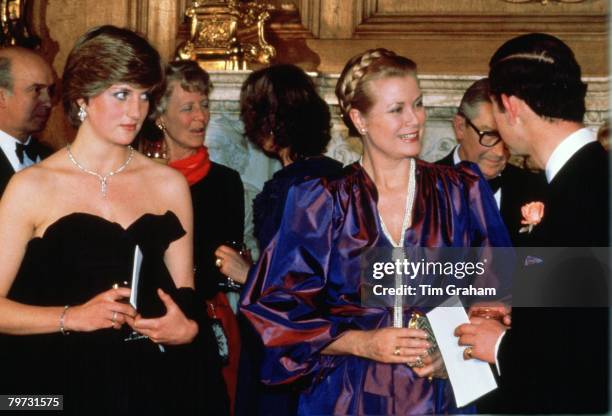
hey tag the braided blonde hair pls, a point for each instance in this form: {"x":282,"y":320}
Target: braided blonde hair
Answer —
{"x":361,"y":69}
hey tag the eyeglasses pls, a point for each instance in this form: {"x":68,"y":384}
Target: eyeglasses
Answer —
{"x":487,"y":138}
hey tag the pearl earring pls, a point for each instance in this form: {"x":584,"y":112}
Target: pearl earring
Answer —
{"x":82,"y":115}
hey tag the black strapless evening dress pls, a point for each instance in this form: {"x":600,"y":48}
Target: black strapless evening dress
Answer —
{"x":79,"y":256}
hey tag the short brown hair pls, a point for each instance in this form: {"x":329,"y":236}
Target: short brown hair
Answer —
{"x":104,"y":56}
{"x":281,"y":102}
{"x":477,"y":94}
{"x":6,"y":78}
{"x":190,"y":76}
{"x":359,"y":70}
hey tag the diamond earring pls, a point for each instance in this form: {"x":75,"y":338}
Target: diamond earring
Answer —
{"x":82,"y":115}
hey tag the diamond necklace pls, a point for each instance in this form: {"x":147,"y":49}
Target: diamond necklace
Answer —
{"x":102,"y":178}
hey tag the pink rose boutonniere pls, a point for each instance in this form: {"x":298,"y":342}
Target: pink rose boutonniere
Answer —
{"x":533,"y":213}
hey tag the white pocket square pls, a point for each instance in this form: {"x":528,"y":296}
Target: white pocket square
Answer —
{"x":531,"y":260}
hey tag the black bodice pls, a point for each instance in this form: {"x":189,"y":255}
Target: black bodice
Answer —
{"x":79,"y":256}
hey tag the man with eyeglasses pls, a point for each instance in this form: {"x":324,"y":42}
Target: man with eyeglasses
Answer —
{"x":480,"y":142}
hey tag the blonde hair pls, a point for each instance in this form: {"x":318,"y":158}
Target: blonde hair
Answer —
{"x":367,"y":66}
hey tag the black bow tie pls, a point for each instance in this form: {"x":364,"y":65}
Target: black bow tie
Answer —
{"x":29,"y":149}
{"x":495,"y":183}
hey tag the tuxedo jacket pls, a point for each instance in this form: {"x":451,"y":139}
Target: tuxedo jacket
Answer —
{"x":518,"y":187}
{"x":554,"y":360}
{"x":6,"y":169}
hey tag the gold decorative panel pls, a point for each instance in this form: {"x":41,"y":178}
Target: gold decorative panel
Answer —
{"x":410,"y":18}
{"x":445,"y":37}
{"x":450,"y":36}
{"x":544,"y":2}
{"x":214,"y":34}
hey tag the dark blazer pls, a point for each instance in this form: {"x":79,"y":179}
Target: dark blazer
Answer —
{"x":218,"y":217}
{"x":555,"y":360}
{"x":6,"y":169}
{"x":518,"y":187}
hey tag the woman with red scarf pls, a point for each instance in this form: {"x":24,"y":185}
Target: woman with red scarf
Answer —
{"x":182,"y":115}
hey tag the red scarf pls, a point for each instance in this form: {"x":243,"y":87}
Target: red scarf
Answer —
{"x":194,"y":167}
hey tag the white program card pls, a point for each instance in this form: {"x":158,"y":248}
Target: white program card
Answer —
{"x":135,"y":276}
{"x":470,"y":379}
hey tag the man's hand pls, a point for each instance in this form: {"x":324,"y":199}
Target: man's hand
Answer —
{"x":482,"y":335}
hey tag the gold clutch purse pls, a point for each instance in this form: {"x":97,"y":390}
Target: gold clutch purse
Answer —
{"x":420,"y":321}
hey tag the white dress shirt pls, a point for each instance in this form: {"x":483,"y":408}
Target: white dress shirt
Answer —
{"x":566,"y":149}
{"x":8,"y":144}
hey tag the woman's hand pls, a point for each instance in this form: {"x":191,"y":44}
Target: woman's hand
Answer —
{"x":393,"y":345}
{"x":232,"y":264}
{"x":174,"y":328}
{"x":412,"y":345}
{"x":101,"y":311}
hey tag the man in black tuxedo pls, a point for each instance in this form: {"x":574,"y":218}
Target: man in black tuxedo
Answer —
{"x":553,"y":359}
{"x":26,"y":89}
{"x":480,"y":142}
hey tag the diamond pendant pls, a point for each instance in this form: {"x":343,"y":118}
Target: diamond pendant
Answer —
{"x":103,"y":186}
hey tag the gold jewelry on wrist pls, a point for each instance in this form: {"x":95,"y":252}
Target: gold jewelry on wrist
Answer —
{"x":61,"y":323}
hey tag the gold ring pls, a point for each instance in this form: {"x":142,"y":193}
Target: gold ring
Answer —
{"x":467,"y":353}
{"x":218,"y":262}
{"x":397,"y":351}
{"x":114,"y":317}
{"x":419,"y":362}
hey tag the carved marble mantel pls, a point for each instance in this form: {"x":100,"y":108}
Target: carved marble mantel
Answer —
{"x":442,"y":94}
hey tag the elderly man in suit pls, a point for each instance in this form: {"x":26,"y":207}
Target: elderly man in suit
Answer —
{"x":26,"y":89}
{"x":480,"y":142}
{"x":553,"y":359}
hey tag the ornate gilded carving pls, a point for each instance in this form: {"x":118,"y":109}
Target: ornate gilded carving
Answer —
{"x":218,"y":34}
{"x":261,"y":52}
{"x":214,"y":29}
{"x":13,"y":24}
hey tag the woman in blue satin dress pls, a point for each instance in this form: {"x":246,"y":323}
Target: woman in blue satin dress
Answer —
{"x":303,"y":296}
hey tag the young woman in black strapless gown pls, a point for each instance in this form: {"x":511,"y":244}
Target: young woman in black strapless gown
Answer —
{"x":68,"y":229}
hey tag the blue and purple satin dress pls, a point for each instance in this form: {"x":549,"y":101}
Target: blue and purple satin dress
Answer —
{"x":305,"y":290}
